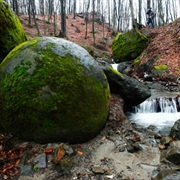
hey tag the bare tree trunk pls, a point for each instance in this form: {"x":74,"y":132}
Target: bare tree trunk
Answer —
{"x":86,"y":18}
{"x":167,"y":10}
{"x":74,"y":9}
{"x":34,"y":16}
{"x":132,"y":13}
{"x":63,"y":18}
{"x":174,"y":5}
{"x":93,"y":31}
{"x":140,"y":11}
{"x":29,"y":13}
{"x":114,"y":14}
{"x":55,"y":23}
{"x":16,"y":7}
{"x":148,"y":4}
{"x":103,"y":18}
{"x":119,"y":16}
{"x":50,"y":9}
{"x":41,"y":7}
{"x":109,"y":15}
{"x":161,"y":14}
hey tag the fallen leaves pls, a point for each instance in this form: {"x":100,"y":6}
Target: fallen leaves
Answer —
{"x":9,"y":159}
{"x":164,"y":45}
{"x":60,"y":154}
{"x":80,"y":152}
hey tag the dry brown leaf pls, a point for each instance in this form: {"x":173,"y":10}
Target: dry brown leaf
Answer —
{"x":60,"y":154}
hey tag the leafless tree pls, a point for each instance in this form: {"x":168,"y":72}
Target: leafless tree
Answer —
{"x":140,"y":11}
{"x":34,"y":16}
{"x":148,"y":4}
{"x":74,"y":9}
{"x":86,"y":17}
{"x":109,"y":14}
{"x":160,"y":13}
{"x":15,"y":7}
{"x":132,"y":13}
{"x":63,"y":18}
{"x":114,"y":18}
{"x":93,"y":19}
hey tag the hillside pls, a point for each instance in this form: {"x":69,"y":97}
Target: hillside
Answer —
{"x":164,"y":43}
{"x":75,"y":32}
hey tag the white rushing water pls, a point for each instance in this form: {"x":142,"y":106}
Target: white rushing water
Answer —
{"x":160,"y":120}
{"x":160,"y":112}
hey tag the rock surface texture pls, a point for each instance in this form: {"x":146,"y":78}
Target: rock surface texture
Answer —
{"x":133,"y":91}
{"x":128,"y":46}
{"x":52,"y":90}
{"x":11,"y":31}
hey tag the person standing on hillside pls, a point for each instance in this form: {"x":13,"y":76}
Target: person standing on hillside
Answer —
{"x":150,"y":17}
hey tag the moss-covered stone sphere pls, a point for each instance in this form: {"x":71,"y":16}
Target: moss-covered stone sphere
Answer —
{"x":11,"y":31}
{"x":128,"y":46}
{"x":52,"y":90}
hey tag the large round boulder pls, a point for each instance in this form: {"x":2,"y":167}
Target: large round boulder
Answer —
{"x":11,"y":31}
{"x":52,"y":90}
{"x":128,"y":46}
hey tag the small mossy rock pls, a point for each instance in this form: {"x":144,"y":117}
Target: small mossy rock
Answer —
{"x":52,"y":90}
{"x":11,"y":31}
{"x":128,"y":46}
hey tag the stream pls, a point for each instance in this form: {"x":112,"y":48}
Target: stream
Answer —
{"x":159,"y":110}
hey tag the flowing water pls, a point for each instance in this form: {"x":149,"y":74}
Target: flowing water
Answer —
{"x":159,"y":110}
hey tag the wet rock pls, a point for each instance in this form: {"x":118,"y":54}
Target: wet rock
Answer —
{"x":40,"y":161}
{"x":26,"y":170}
{"x":69,"y":150}
{"x":175,"y":130}
{"x":156,"y":85}
{"x":175,"y":144}
{"x":167,"y":175}
{"x":152,"y":128}
{"x":132,"y":91}
{"x":98,"y":170}
{"x":157,"y":136}
{"x":173,"y":156}
{"x":165,"y":131}
{"x":133,"y":146}
{"x":153,"y":142}
{"x":166,"y":140}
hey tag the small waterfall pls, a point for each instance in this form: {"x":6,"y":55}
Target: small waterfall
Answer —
{"x":159,"y":111}
{"x":162,"y":104}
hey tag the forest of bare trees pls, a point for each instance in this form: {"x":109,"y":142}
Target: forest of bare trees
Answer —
{"x":119,"y":14}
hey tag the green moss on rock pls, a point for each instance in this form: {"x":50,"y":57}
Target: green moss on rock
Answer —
{"x":11,"y":31}
{"x":52,"y":90}
{"x":161,"y":67}
{"x":137,"y":61}
{"x":128,"y":46}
